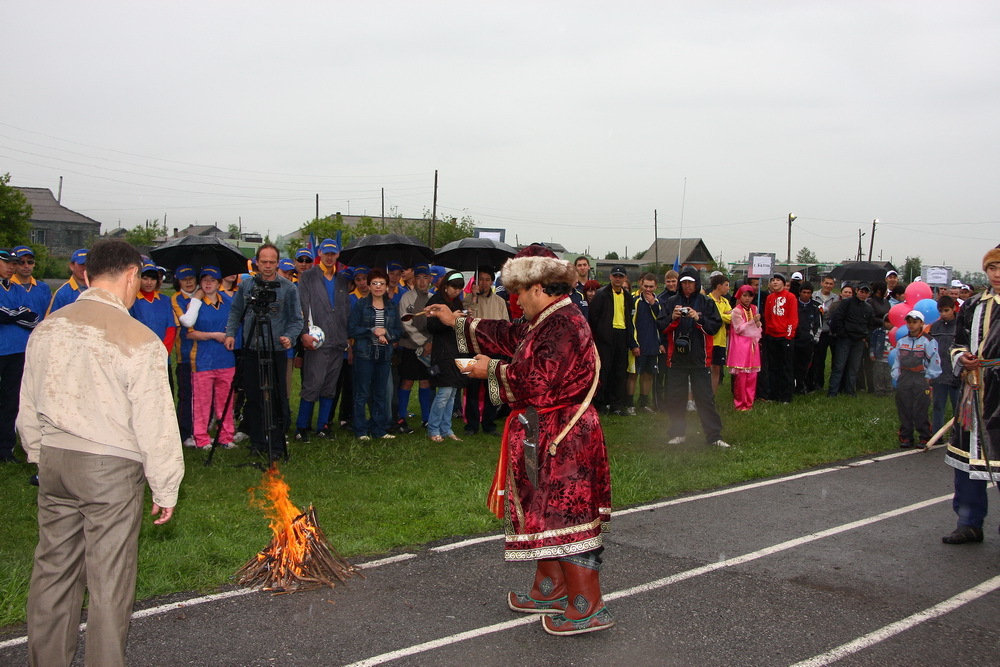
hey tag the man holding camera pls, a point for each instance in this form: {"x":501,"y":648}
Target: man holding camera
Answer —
{"x":265,"y":297}
{"x":689,"y":321}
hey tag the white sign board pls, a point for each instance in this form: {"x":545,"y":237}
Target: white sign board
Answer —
{"x":936,"y":275}
{"x":761,"y":265}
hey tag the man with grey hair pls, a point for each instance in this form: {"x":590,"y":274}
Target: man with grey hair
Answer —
{"x":92,"y":457}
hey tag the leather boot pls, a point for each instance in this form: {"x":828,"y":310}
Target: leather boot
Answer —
{"x":585,"y":609}
{"x":548,"y":593}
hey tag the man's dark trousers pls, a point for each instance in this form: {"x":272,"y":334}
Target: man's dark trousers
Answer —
{"x":802,"y":360}
{"x":253,"y":418}
{"x":846,"y":362}
{"x":700,"y":378}
{"x":780,"y":378}
{"x":614,"y":364}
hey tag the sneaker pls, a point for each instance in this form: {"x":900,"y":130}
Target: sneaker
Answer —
{"x":720,"y":443}
{"x":302,"y":435}
{"x":630,"y":412}
{"x":324,"y":432}
{"x":403,"y":427}
{"x":388,"y":436}
{"x":227,"y":445}
{"x":205,"y":448}
{"x":648,"y":409}
{"x":963,"y":535}
{"x":190,"y":443}
{"x":677,"y":440}
{"x":240,"y":436}
{"x":33,"y":480}
{"x":364,"y":437}
{"x":691,"y":406}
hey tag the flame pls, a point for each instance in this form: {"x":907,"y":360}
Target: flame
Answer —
{"x":291,"y":533}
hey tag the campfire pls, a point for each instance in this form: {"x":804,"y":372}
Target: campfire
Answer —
{"x":299,"y":556}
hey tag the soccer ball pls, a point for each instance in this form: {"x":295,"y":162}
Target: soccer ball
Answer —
{"x":318,"y":334}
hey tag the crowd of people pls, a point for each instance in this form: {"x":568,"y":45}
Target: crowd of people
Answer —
{"x":360,"y":337}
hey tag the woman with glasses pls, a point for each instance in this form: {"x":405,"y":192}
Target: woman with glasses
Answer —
{"x":374,"y":325}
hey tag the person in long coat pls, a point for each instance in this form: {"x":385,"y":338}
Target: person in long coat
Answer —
{"x":552,"y":485}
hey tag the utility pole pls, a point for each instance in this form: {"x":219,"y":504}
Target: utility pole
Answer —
{"x":860,"y":252}
{"x":383,"y":207}
{"x":871,"y":243}
{"x":656,"y":241}
{"x":681,"y":233}
{"x":317,"y":206}
{"x":59,"y":197}
{"x":434,"y":209}
{"x":791,"y":217}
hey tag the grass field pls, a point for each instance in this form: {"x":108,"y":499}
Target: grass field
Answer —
{"x":376,"y":497}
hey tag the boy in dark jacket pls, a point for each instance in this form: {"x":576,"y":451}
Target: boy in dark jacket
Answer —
{"x":806,"y":336}
{"x":947,"y":385}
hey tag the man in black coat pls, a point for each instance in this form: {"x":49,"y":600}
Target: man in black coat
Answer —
{"x":688,"y":321}
{"x":610,"y":320}
{"x":850,"y":325}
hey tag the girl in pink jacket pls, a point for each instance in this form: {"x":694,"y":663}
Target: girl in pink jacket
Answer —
{"x":743,"y":357}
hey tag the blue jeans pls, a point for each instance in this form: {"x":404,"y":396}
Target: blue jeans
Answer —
{"x":939,"y":395}
{"x":370,"y":378}
{"x":846,"y":362}
{"x":439,"y":421}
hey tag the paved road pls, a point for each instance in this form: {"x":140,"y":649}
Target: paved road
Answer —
{"x":840,"y":562}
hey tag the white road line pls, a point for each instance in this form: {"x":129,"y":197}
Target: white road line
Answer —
{"x":467,"y":543}
{"x":653,"y":585}
{"x":893,"y":629}
{"x":386,"y":561}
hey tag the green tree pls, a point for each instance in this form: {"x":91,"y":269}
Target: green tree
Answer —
{"x":806,"y":256}
{"x":234,"y":230}
{"x":911,"y":269}
{"x":144,"y":236}
{"x":15,"y":215}
{"x":611,"y":255}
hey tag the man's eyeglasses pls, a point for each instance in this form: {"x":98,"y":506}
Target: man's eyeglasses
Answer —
{"x":304,"y":260}
{"x":26,"y":262}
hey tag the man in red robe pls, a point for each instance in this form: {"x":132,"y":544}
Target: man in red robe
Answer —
{"x":552,"y":486}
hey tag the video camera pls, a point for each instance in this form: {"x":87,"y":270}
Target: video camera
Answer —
{"x":262,"y":295}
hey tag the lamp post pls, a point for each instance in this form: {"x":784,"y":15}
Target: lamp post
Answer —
{"x":791,"y":217}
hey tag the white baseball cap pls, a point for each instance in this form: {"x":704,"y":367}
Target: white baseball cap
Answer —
{"x":915,"y":314}
{"x":796,"y":276}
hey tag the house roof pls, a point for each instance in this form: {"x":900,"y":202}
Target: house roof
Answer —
{"x":692,"y":251}
{"x":201,"y":230}
{"x":45,"y":208}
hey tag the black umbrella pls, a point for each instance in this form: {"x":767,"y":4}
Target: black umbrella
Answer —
{"x":380,"y":249}
{"x":865,"y":271}
{"x":199,"y":251}
{"x":471,"y":253}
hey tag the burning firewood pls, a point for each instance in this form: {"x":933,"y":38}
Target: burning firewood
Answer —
{"x":299,"y":556}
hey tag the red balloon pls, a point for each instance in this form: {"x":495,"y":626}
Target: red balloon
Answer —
{"x":918,"y":291}
{"x":892,"y":338}
{"x":897,"y":314}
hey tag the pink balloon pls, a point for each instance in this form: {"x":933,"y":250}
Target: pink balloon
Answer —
{"x":918,"y":291}
{"x":897,"y":314}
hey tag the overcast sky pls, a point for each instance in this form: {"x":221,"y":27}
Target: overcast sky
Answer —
{"x":559,"y":121}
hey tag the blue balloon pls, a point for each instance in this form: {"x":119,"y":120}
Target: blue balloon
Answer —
{"x":892,"y":357}
{"x":929,"y":309}
{"x":901,"y":332}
